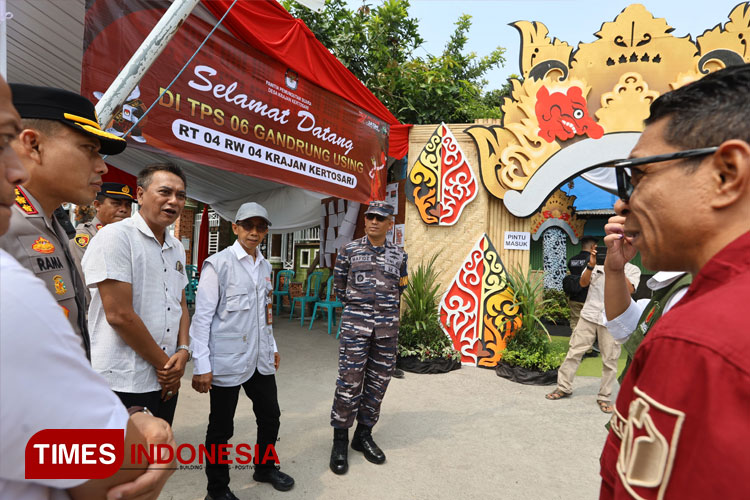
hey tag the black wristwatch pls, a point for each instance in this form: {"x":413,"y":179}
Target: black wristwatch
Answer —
{"x":590,"y":268}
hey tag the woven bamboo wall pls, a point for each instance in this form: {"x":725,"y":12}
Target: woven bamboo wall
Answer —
{"x":486,"y":214}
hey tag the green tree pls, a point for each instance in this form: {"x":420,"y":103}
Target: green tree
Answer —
{"x":377,"y":45}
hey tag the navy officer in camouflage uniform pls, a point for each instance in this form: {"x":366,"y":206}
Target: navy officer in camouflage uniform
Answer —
{"x":369,"y":276}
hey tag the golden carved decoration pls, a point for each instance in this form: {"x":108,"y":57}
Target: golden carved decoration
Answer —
{"x":627,"y":105}
{"x":634,"y":59}
{"x":545,"y":51}
{"x":734,"y":38}
{"x":558,"y":206}
{"x":635,"y":42}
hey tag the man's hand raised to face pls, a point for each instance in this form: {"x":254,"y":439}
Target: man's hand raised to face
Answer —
{"x":619,"y":249}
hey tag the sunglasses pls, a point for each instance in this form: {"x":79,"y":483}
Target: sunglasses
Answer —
{"x":623,"y":172}
{"x":376,"y":217}
{"x":249,"y":226}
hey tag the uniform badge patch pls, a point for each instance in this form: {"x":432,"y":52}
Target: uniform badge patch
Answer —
{"x":82,"y":239}
{"x":60,"y":287}
{"x":24,"y":204}
{"x":43,"y":245}
{"x":99,"y":226}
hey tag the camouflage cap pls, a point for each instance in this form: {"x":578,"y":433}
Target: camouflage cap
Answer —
{"x":380,"y":208}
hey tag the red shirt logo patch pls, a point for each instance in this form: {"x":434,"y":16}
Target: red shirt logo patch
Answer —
{"x":649,"y":444}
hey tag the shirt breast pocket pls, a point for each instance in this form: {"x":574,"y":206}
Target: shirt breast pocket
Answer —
{"x":361,"y":273}
{"x":237,"y":299}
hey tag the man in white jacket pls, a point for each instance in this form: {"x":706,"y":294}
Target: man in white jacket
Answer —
{"x":233,"y":347}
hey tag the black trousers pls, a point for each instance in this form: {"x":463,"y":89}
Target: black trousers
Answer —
{"x":261,"y":389}
{"x":152,"y":401}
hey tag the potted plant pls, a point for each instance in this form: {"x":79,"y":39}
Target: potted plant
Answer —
{"x":529,"y":356}
{"x":423,"y":346}
{"x":556,"y":312}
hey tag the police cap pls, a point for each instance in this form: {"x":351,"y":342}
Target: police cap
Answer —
{"x":74,"y":110}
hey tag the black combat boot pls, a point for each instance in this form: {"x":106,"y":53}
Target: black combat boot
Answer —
{"x":362,"y":441}
{"x":339,"y":460}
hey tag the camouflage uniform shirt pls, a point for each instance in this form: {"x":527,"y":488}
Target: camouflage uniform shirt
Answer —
{"x":369,"y":280}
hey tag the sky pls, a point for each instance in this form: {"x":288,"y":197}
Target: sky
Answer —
{"x":572,"y":21}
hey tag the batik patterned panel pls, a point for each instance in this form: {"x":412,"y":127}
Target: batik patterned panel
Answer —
{"x":443,"y":180}
{"x":477,"y":312}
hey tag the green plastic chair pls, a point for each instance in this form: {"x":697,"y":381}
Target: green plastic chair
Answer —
{"x":281,"y":290}
{"x":331,"y":304}
{"x":314,"y":281}
{"x":192,"y":287}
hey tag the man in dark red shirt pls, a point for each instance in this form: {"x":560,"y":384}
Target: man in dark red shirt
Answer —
{"x":681,"y":426}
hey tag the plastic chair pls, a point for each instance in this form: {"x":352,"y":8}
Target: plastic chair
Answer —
{"x":192,"y":287}
{"x":329,"y":304}
{"x":312,"y":295}
{"x":281,"y":290}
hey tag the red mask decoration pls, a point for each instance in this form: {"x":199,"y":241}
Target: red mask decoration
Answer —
{"x":564,"y":116}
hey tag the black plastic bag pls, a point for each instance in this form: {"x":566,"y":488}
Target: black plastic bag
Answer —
{"x":526,"y":376}
{"x":438,"y":365}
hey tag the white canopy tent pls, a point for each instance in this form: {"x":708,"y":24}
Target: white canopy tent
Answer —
{"x":45,"y":47}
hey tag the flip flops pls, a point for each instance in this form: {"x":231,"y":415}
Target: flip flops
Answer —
{"x":605,"y":406}
{"x":557,"y":394}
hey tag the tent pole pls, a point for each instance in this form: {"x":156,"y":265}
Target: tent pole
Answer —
{"x":4,"y":17}
{"x":143,"y":58}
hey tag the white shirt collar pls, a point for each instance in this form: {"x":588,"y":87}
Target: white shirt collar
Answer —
{"x":663,"y":279}
{"x":241,"y":253}
{"x":140,"y":223}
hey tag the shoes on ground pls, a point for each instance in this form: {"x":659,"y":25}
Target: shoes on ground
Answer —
{"x":227,"y":495}
{"x":279,"y":480}
{"x":339,"y":463}
{"x":362,"y":441}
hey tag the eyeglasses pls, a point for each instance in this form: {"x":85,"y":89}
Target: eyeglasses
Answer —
{"x":624,"y":175}
{"x":377,"y":217}
{"x":249,"y":225}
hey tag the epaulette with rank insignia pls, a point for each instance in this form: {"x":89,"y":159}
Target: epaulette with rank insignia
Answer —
{"x":24,"y":203}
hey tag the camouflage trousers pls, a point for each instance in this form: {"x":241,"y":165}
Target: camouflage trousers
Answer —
{"x":366,"y":364}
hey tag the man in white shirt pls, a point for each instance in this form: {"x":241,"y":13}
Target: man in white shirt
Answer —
{"x":232,"y":339}
{"x":622,"y":325}
{"x":138,"y":316}
{"x":591,"y":327}
{"x":45,"y":379}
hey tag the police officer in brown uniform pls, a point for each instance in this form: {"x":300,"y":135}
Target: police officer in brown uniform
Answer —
{"x":112,"y":204}
{"x":60,"y":147}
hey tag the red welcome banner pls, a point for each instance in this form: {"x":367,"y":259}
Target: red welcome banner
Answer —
{"x":233,"y":108}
